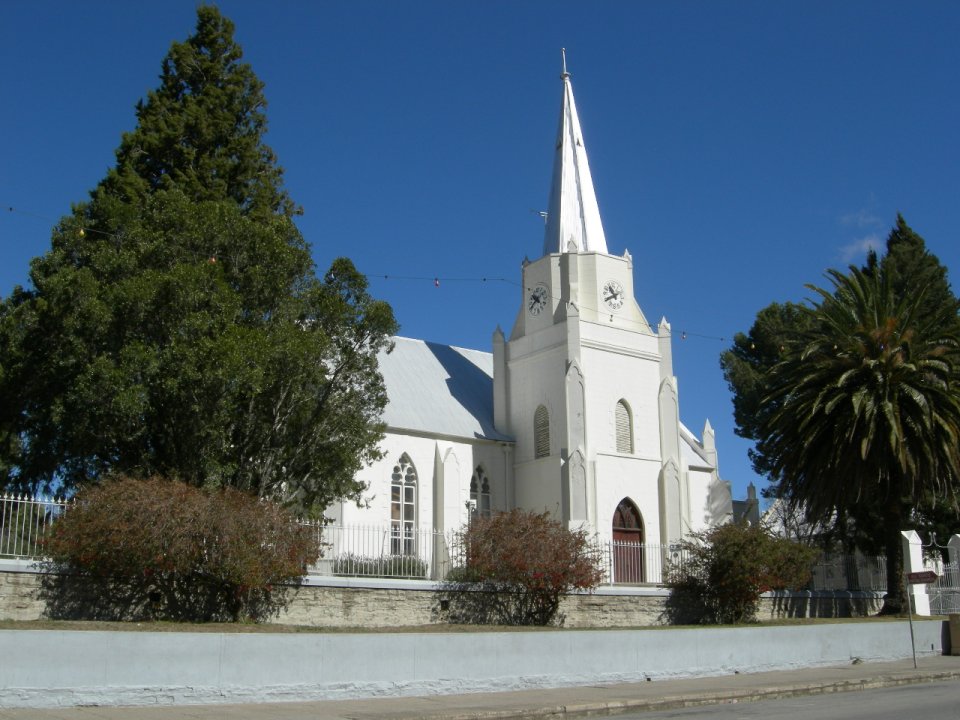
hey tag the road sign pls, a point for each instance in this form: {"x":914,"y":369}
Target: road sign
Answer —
{"x":925,"y":577}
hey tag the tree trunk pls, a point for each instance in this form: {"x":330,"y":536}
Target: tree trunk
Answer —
{"x":895,"y":601}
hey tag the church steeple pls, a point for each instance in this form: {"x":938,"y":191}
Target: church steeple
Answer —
{"x":573,"y":219}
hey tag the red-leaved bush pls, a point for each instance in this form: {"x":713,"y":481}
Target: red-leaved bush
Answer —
{"x":516,"y":567}
{"x":162,"y":549}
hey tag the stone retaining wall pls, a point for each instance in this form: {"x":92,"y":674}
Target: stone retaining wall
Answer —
{"x":367,"y":602}
{"x":19,"y":596}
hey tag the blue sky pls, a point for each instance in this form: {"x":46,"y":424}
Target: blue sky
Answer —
{"x":738,"y":149}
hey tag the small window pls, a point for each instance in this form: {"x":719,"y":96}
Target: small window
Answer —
{"x":624,"y":428}
{"x":403,"y":507}
{"x":541,"y":433}
{"x":480,"y":493}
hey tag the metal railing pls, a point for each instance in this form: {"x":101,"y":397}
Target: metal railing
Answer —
{"x":382,"y":551}
{"x":393,"y":552}
{"x":22,"y":522}
{"x":944,"y":593}
{"x":835,"y":571}
{"x":626,"y":563}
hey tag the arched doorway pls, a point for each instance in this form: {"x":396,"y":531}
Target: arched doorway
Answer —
{"x":627,"y":547}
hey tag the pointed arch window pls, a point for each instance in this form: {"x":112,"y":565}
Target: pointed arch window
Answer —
{"x":624,"y":427}
{"x":403,"y":507}
{"x":541,"y":433}
{"x":627,"y":546}
{"x":480,"y":493}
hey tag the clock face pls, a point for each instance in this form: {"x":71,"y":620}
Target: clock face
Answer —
{"x":537,"y":300}
{"x":613,"y":294}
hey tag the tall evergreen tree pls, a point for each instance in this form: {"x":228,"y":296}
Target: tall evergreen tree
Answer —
{"x":202,"y":130}
{"x":868,"y":408}
{"x":780,"y":329}
{"x":909,"y":265}
{"x":177,"y":327}
{"x":746,"y":364}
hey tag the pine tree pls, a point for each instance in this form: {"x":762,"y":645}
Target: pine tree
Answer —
{"x":868,"y":409}
{"x":202,"y":130}
{"x":909,"y":263}
{"x":781,"y":330}
{"x":177,"y":327}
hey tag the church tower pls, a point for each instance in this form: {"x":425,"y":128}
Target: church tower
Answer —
{"x":584,"y":384}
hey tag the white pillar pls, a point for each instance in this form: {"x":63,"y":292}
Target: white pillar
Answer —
{"x":913,"y":562}
{"x":953,"y":551}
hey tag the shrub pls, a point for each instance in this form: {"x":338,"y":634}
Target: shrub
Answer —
{"x":724,"y":570}
{"x":162,"y":549}
{"x":516,"y":567}
{"x":401,"y":566}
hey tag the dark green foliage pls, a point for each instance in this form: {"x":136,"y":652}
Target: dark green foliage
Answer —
{"x":200,"y":350}
{"x":177,"y":327}
{"x":201,"y":131}
{"x":725,"y":570}
{"x":910,"y":266}
{"x":164,"y":550}
{"x":868,"y":408}
{"x":745,"y":366}
{"x":912,"y":275}
{"x":516,"y":567}
{"x":780,"y":327}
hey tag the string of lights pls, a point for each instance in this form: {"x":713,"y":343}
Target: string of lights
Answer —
{"x":437,"y":282}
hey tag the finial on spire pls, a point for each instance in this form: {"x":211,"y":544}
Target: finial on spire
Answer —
{"x":563,"y":53}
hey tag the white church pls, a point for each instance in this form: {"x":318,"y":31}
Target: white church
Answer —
{"x":576,"y":412}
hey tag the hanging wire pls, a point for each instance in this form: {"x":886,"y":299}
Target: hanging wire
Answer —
{"x":643,"y":328}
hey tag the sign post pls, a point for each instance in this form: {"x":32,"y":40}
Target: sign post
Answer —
{"x":924,"y":577}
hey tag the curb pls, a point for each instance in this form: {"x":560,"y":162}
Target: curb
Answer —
{"x":676,"y":702}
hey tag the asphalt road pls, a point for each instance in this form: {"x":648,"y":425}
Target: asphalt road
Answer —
{"x":936,"y":701}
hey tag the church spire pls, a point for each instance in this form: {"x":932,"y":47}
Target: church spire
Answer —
{"x":573,"y":219}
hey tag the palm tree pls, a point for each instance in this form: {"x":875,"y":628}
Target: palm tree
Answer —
{"x":868,"y":408}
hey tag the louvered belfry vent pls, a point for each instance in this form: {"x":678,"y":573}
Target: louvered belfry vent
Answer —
{"x":624,"y":428}
{"x":541,"y":433}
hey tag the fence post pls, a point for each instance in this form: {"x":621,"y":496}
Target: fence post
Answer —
{"x":953,"y":551}
{"x":913,"y":562}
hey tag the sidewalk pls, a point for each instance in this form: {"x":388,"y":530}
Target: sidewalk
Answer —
{"x":546,"y":703}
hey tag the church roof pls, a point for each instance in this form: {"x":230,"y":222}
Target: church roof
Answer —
{"x":573,"y":217}
{"x":439,"y":390}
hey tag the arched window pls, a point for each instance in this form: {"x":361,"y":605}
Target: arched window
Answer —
{"x":627,"y":546}
{"x":403,"y":507}
{"x":480,"y":493}
{"x":541,"y":433}
{"x":624,"y":428}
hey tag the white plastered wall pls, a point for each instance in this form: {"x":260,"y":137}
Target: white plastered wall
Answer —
{"x":455,"y":460}
{"x":537,"y":378}
{"x":622,"y":366}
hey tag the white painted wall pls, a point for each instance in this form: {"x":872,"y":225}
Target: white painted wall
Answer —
{"x":619,"y":357}
{"x":56,"y":668}
{"x":459,"y":458}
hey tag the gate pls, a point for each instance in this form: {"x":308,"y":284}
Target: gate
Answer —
{"x":944,"y":594}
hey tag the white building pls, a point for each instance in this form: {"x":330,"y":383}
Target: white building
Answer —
{"x":577,"y":412}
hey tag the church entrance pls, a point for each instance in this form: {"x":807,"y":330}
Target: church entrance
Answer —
{"x":627,"y":546}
